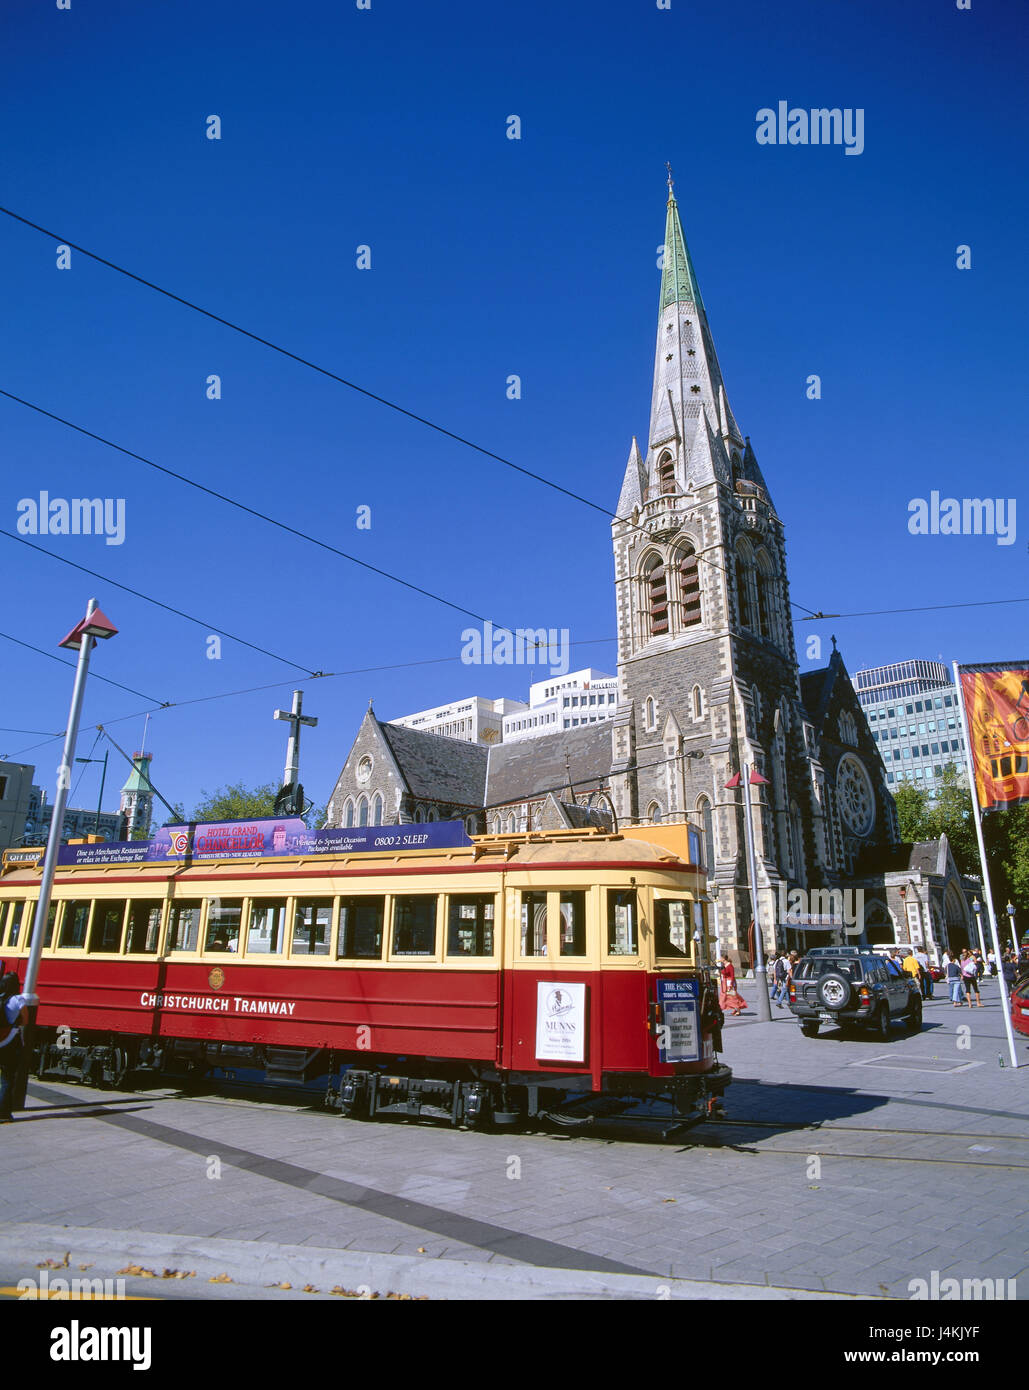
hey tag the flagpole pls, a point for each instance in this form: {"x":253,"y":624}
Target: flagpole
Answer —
{"x":987,"y":890}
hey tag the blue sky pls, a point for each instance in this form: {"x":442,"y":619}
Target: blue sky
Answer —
{"x":490,"y":256}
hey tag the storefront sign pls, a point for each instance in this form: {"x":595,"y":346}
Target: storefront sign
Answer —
{"x":560,"y":1022}
{"x":679,"y":1031}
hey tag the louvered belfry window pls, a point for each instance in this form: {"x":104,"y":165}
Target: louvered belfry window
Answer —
{"x":689,"y":588}
{"x":658,"y":597}
{"x":666,"y":474}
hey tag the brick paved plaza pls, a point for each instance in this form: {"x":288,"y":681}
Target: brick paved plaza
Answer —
{"x":846,"y":1165}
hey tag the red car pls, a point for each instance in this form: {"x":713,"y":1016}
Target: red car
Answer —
{"x":1020,"y":1007}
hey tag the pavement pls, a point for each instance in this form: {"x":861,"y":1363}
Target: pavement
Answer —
{"x":847,"y":1167}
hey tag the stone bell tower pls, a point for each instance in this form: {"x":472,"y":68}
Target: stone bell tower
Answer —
{"x":706,"y":662}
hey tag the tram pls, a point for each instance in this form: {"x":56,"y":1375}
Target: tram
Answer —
{"x":408,"y":970}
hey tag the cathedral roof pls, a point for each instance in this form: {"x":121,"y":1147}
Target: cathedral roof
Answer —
{"x":438,"y":768}
{"x":530,"y":766}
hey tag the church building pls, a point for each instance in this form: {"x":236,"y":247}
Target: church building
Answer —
{"x":708,"y":680}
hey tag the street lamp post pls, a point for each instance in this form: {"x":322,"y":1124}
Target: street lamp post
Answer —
{"x":747,"y":778}
{"x":84,"y":634}
{"x":1011,"y":924}
{"x":977,"y":908}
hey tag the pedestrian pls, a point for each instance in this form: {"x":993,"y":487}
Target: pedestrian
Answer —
{"x":970,"y":976}
{"x":780,"y":976}
{"x":953,"y":975}
{"x":980,"y":965}
{"x":922,"y":956}
{"x":14,"y":1015}
{"x":729,"y":998}
{"x":991,"y":961}
{"x":911,"y":966}
{"x":1008,"y":968}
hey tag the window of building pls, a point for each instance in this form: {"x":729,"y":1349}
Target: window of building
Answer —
{"x":656,"y":586}
{"x":689,"y":589}
{"x":377,"y":809}
{"x":671,"y":927}
{"x":312,"y":926}
{"x":654,"y":814}
{"x":650,"y":710}
{"x":361,"y":928}
{"x":666,"y":473}
{"x":348,"y":813}
{"x":698,"y":702}
{"x":534,"y":924}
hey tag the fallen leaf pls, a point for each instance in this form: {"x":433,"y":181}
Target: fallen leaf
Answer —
{"x":220,"y":1279}
{"x":421,"y":1250}
{"x":310,"y":1288}
{"x":669,"y":1199}
{"x":138,"y":1272}
{"x":284,"y":1285}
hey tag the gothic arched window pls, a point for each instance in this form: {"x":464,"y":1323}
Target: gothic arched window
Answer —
{"x":704,"y":811}
{"x":745,"y":596}
{"x":666,"y":473}
{"x":654,"y":813}
{"x":362,"y":811}
{"x":689,"y":588}
{"x":348,"y":812}
{"x":765,"y":595}
{"x":650,"y":712}
{"x":377,"y":809}
{"x":655,"y":584}
{"x":698,"y":702}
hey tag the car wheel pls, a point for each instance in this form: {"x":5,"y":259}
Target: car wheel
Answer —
{"x":915,"y":1017}
{"x":833,"y":990}
{"x":810,"y":1030}
{"x":881,"y":1022}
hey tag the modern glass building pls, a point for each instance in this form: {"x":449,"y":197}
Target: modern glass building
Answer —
{"x":912,"y":710}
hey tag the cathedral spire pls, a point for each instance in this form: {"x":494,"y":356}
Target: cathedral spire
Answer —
{"x":688,"y":385}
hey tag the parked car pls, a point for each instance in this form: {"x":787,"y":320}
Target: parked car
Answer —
{"x":1020,"y":1007}
{"x":851,"y":985}
{"x":937,"y":973}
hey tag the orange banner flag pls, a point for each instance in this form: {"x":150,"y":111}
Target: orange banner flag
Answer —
{"x":996,"y":700}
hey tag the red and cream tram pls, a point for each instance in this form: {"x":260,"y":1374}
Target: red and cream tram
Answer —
{"x":405,"y":969}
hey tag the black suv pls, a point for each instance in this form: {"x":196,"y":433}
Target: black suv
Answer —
{"x":851,"y":985}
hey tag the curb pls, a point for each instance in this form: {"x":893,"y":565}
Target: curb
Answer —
{"x":255,"y":1267}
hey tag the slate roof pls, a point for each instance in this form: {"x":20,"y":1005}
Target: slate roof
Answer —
{"x":531,"y":766}
{"x":924,"y":857}
{"x":437,"y":768}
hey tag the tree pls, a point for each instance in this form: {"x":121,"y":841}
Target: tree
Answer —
{"x":912,"y":812}
{"x":236,"y":802}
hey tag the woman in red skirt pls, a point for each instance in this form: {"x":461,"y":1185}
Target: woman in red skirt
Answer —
{"x":729,"y":999}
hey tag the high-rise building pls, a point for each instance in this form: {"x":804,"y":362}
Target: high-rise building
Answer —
{"x":913,"y":711}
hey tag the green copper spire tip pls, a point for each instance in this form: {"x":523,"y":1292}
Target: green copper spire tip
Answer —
{"x":678,"y":278}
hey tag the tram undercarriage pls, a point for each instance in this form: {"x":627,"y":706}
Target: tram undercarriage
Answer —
{"x":366,"y":1088}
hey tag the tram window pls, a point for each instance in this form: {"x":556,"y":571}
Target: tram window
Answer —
{"x":621,"y":922}
{"x":534,"y":924}
{"x":671,"y":927}
{"x":223,"y":921}
{"x":74,"y":923}
{"x":14,"y":923}
{"x":573,"y":924}
{"x":414,"y":925}
{"x":312,"y":926}
{"x":184,"y":926}
{"x":51,"y":918}
{"x":267,"y":931}
{"x":107,"y":924}
{"x":470,"y":926}
{"x":144,"y":929}
{"x":360,"y":928}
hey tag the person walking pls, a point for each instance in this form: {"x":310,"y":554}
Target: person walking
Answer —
{"x":953,"y":977}
{"x":970,"y":977}
{"x":729,"y":999}
{"x":911,"y":966}
{"x":780,"y":976}
{"x":922,"y":956}
{"x":13,"y":1014}
{"x":991,"y":961}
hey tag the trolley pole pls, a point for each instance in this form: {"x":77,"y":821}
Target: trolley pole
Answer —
{"x":82,"y":636}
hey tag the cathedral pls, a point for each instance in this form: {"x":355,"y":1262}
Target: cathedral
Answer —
{"x":708,"y":680}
